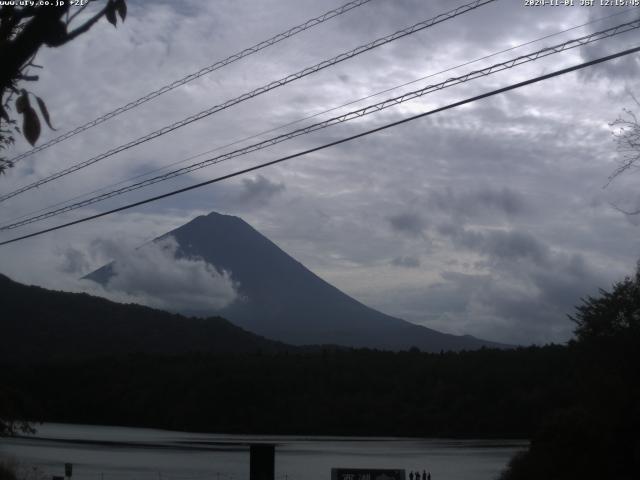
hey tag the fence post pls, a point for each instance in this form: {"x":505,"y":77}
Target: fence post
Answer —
{"x":262,"y":461}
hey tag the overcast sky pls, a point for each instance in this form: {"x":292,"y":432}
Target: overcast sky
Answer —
{"x":489,"y":219}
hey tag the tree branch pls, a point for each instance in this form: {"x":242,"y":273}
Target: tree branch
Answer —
{"x":78,"y":12}
{"x":86,"y":26}
{"x":622,"y":210}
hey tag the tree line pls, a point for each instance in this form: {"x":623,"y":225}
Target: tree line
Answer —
{"x":486,"y":393}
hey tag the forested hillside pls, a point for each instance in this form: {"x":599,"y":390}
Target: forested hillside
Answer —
{"x":487,"y":393}
{"x":40,"y":325}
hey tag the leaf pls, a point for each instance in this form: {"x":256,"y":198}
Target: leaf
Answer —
{"x":121,"y":8}
{"x":110,"y":13}
{"x":22,"y":102}
{"x":45,"y":112}
{"x":56,"y":34}
{"x":30,"y":125}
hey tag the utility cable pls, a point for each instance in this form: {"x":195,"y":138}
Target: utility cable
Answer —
{"x":626,"y":27}
{"x":246,"y":96}
{"x":314,"y":115}
{"x":331,"y":144}
{"x":203,"y":71}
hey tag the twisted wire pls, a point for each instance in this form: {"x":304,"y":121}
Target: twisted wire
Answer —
{"x":314,"y":115}
{"x":331,"y":144}
{"x":246,"y":96}
{"x":204,"y":71}
{"x":498,"y":67}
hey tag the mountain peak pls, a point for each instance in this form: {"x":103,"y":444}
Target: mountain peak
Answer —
{"x":214,"y":217}
{"x":280,"y":298}
{"x":220,"y":215}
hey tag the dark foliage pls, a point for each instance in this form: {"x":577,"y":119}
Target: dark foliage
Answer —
{"x":42,"y":325}
{"x":597,"y":437}
{"x":39,"y":326}
{"x":611,"y":316}
{"x":77,"y":358}
{"x":487,"y":393}
{"x":15,"y":407}
{"x":7,"y":472}
{"x":24,"y":29}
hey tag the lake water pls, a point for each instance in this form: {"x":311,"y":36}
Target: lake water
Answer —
{"x":119,"y":453}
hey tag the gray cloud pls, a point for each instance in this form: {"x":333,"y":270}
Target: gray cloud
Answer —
{"x":627,"y":67}
{"x":507,"y":304}
{"x":152,"y":275}
{"x":498,"y":244}
{"x":407,"y":261}
{"x":483,"y":201}
{"x":411,"y":224}
{"x":74,"y":261}
{"x":259,"y":190}
{"x":501,"y":201}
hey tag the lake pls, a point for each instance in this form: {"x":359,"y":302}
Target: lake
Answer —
{"x":120,"y":453}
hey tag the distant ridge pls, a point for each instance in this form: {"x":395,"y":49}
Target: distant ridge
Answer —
{"x":283,"y":300}
{"x":40,"y":325}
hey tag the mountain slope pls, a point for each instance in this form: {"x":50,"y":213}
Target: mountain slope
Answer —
{"x":282,"y":299}
{"x":45,"y":325}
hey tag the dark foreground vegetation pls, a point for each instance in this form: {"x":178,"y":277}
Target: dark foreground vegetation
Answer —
{"x":488,"y":393}
{"x":45,"y":326}
{"x":579,"y":404}
{"x":597,"y":435}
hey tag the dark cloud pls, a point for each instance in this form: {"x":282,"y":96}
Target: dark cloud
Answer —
{"x":407,"y":261}
{"x":505,"y":200}
{"x":530,"y":290}
{"x":497,"y":244}
{"x":627,"y":67}
{"x":259,"y":190}
{"x":507,"y":305}
{"x":411,"y":224}
{"x":488,"y":200}
{"x":508,"y":245}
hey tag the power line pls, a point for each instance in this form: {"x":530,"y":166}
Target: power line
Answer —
{"x":193,"y":76}
{"x":346,"y":117}
{"x":259,"y":91}
{"x":314,"y":115}
{"x":331,"y":144}
{"x":617,"y":30}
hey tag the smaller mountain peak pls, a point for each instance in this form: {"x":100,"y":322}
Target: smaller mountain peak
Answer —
{"x":211,"y":218}
{"x":220,"y":218}
{"x":216,"y":215}
{"x":212,"y":222}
